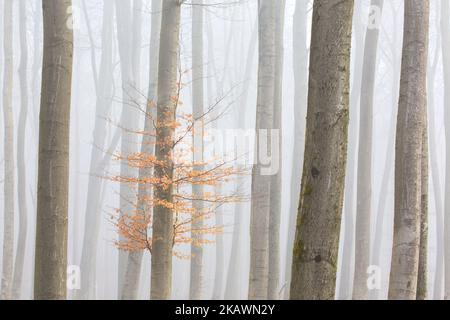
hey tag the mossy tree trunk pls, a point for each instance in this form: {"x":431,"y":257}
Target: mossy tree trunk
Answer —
{"x":322,"y":191}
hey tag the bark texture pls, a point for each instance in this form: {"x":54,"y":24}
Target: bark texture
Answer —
{"x":53,"y":173}
{"x":162,"y":238}
{"x":322,"y":191}
{"x":408,"y":152}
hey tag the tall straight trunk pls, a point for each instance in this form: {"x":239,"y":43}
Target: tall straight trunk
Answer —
{"x":128,"y":120}
{"x":53,"y":173}
{"x":364,"y":167}
{"x":233,"y":277}
{"x":21,"y":166}
{"x":133,"y":269}
{"x":96,"y":169}
{"x":409,"y":140}
{"x":260,"y":203}
{"x":9,"y":185}
{"x":445,"y":34}
{"x":300,"y":64}
{"x":319,"y":217}
{"x":435,"y":177}
{"x":275,"y":183}
{"x":422,"y":281}
{"x":348,"y":241}
{"x":195,"y":288}
{"x":162,"y":237}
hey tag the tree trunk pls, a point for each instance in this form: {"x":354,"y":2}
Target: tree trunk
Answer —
{"x":300,"y":64}
{"x":162,"y":238}
{"x":364,"y":167}
{"x":133,"y":270}
{"x":422,"y":281}
{"x":445,"y":32}
{"x":21,"y":153}
{"x":195,"y":289}
{"x":319,"y":217}
{"x":96,"y":169}
{"x":275,"y":183}
{"x":53,"y":173}
{"x":8,"y":186}
{"x":260,"y":203}
{"x":409,"y":140}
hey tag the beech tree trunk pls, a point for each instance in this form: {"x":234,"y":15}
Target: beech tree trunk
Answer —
{"x":53,"y":173}
{"x":162,"y":238}
{"x":9,"y":184}
{"x":409,"y":143}
{"x":422,"y":281}
{"x":319,"y":216}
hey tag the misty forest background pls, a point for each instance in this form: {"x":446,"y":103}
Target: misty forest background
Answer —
{"x":107,"y":192}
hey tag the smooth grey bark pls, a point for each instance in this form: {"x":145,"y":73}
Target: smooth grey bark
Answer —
{"x":196,"y":280}
{"x":162,"y":237}
{"x":348,"y":241}
{"x":95,"y":184}
{"x":300,"y":66}
{"x":409,"y":140}
{"x":21,"y":154}
{"x":273,"y":289}
{"x":233,"y":277}
{"x":319,"y":216}
{"x":134,"y":264}
{"x":53,"y":172}
{"x":260,"y":192}
{"x":422,"y":280}
{"x":8,"y":147}
{"x":445,"y":34}
{"x":364,"y":166}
